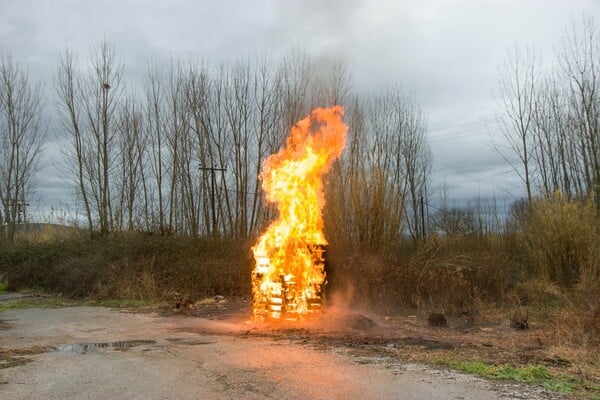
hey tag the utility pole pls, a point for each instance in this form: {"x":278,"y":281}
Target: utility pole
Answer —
{"x":422,"y":218}
{"x":104,"y":197}
{"x":22,"y":210}
{"x":212,"y":171}
{"x":597,"y":188}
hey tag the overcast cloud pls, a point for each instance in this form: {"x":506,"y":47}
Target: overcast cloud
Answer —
{"x":446,"y":52}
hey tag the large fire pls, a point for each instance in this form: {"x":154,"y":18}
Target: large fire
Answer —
{"x":289,"y":273}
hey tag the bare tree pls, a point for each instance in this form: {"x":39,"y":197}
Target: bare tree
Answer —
{"x":101,"y":96}
{"x":295,"y":76}
{"x":220,"y":152}
{"x":89,"y":102}
{"x":154,"y":110}
{"x":374,"y":197}
{"x":203,"y":131}
{"x":266,"y":86}
{"x":131,"y":150}
{"x":334,"y":86}
{"x":175,"y":129}
{"x":68,"y":95}
{"x":580,"y":63}
{"x":517,"y":99}
{"x":455,"y":221}
{"x":239,"y":112}
{"x":21,"y":140}
{"x":552,"y":121}
{"x":197,"y":103}
{"x":417,"y":159}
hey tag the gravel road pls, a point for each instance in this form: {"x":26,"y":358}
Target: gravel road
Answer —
{"x":101,"y":353}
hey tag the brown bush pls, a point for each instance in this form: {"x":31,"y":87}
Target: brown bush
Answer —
{"x":592,"y":326}
{"x":519,"y":319}
{"x":560,"y":241}
{"x":553,"y":260}
{"x":454,"y":275}
{"x":129,"y":266}
{"x":538,"y":292}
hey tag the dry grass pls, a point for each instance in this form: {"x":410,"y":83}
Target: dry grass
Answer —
{"x":561,"y":241}
{"x":452,"y":275}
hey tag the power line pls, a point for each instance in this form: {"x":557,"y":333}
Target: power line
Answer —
{"x":475,"y":122}
{"x":462,"y":132}
{"x":459,"y":136}
{"x":466,"y":129}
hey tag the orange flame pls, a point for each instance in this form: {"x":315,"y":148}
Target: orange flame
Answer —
{"x":289,"y":272}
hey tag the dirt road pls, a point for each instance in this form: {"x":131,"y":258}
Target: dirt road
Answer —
{"x":100,"y":353}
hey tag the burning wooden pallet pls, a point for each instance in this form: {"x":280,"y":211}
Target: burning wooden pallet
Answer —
{"x":289,"y":275}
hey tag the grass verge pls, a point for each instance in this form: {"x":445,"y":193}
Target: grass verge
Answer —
{"x":531,"y":374}
{"x":57,"y":302}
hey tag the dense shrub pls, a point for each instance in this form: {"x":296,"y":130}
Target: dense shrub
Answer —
{"x":552,"y":259}
{"x":441,"y":274}
{"x":560,"y":241}
{"x":128,"y":266}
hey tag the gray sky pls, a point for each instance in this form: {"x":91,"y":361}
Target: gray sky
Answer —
{"x":445,"y":51}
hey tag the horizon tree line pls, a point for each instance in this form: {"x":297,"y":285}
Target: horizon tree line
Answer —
{"x":550,"y":116}
{"x":181,"y":152}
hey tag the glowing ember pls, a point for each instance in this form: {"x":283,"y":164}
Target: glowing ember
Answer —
{"x":289,"y":272}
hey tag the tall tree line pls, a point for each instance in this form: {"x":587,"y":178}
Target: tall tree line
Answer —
{"x":380,"y":182}
{"x":183,"y":153}
{"x":22,"y":136}
{"x":551,"y":118}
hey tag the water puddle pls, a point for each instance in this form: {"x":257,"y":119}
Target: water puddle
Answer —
{"x":84,"y":348}
{"x":190,"y":342}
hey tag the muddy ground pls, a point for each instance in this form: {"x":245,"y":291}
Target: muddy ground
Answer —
{"x":210,"y":350}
